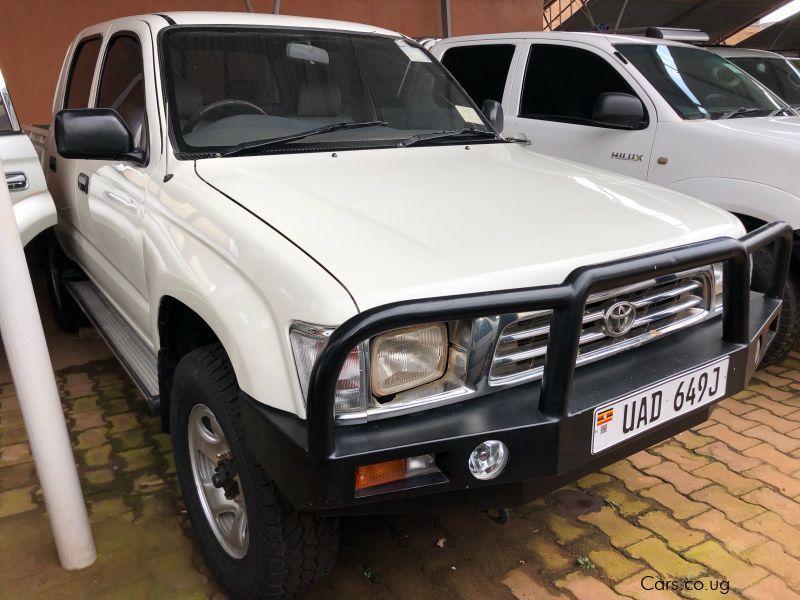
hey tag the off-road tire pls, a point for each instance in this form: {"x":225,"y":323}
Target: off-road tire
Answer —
{"x":789,"y":323}
{"x":289,"y":551}
{"x":60,"y":268}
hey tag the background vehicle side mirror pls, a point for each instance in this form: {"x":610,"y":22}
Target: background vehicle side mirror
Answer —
{"x":618,"y":110}
{"x":493,"y":111}
{"x":94,"y":134}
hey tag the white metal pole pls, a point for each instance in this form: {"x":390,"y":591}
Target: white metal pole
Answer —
{"x":26,"y":349}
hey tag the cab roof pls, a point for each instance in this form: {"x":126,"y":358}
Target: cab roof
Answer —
{"x":200,"y":18}
{"x":732,"y":52}
{"x":586,"y":37}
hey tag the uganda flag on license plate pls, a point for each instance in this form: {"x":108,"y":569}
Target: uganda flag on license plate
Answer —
{"x":604,"y":417}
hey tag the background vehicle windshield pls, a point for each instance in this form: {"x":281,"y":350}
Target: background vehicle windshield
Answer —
{"x":227,"y":87}
{"x":699,"y":84}
{"x":778,"y":74}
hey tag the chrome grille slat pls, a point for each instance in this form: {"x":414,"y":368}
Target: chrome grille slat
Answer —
{"x":667,"y":295}
{"x":664,"y":305}
{"x":691,"y":302}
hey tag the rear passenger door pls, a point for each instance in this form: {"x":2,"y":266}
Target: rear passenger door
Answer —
{"x":552,"y":103}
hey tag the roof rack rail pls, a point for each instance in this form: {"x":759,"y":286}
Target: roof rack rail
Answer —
{"x":675,"y":34}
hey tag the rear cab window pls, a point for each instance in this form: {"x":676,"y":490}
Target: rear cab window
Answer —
{"x":562,"y":83}
{"x":481,"y":70}
{"x":81,"y":72}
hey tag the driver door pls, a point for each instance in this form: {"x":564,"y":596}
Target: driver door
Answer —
{"x":552,"y":103}
{"x":111,"y":195}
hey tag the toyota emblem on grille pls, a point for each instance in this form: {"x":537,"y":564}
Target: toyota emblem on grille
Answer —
{"x":619,"y":318}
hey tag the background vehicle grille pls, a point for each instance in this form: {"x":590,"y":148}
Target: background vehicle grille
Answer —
{"x":663,"y":305}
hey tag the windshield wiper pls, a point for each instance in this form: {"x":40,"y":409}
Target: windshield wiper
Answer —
{"x":742,"y":110}
{"x":782,"y":111}
{"x":436,"y":135}
{"x":278,"y":141}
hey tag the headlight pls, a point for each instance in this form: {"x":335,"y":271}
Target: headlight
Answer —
{"x":307,"y":343}
{"x":407,"y":358}
{"x":400,"y":360}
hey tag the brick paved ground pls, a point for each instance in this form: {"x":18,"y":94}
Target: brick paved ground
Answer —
{"x":719,"y":503}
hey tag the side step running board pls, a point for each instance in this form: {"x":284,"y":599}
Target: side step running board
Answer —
{"x":135,"y":357}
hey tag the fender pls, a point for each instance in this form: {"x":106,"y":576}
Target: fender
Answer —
{"x":246,"y":282}
{"x":743,"y":197}
{"x":34,"y":214}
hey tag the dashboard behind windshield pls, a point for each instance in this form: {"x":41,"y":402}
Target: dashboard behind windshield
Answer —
{"x":233,"y":86}
{"x":699,"y":84}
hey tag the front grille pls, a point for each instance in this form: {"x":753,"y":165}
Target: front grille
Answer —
{"x":663,"y":305}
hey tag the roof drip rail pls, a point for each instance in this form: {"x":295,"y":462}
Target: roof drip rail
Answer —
{"x":675,"y":34}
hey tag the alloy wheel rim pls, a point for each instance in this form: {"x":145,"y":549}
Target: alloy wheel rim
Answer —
{"x":217,"y":485}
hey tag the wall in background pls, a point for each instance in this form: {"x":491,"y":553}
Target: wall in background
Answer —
{"x":34,"y":34}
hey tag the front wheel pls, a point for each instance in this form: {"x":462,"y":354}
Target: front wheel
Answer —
{"x":789,"y":324}
{"x":256,"y":543}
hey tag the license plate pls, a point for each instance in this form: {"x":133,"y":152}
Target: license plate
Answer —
{"x":634,"y":414}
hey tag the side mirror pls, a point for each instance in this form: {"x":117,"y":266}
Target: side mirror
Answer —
{"x":93,"y":134}
{"x":618,"y":110}
{"x":493,"y":111}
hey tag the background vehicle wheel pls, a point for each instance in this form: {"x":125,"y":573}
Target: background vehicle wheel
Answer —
{"x":789,"y":324}
{"x":68,"y":314}
{"x":256,"y":543}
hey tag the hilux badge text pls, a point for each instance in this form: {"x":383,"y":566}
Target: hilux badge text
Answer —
{"x":627,"y":156}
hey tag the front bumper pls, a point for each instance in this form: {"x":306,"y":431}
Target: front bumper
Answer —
{"x":546,"y":424}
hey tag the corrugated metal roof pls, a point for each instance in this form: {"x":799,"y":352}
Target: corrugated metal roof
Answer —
{"x":718,"y":18}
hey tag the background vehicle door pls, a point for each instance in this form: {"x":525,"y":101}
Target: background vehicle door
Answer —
{"x":552,"y":104}
{"x":111,"y":194}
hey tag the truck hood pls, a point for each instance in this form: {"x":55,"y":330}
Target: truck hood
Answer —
{"x":403,"y":223}
{"x":781,"y":130}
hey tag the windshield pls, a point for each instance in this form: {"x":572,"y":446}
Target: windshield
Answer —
{"x":778,"y":74}
{"x":231,"y":89}
{"x":699,"y":84}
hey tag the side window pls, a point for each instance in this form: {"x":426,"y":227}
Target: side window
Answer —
{"x":81,"y":71}
{"x":563,"y":83}
{"x":121,"y":85}
{"x":5,"y":120}
{"x":481,"y":70}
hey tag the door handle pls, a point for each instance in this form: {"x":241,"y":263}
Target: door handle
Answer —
{"x":17,"y":181}
{"x":52,"y":163}
{"x":83,"y":183}
{"x":125,"y":203}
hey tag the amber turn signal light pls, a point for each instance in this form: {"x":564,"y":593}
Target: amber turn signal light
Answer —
{"x":369,"y":476}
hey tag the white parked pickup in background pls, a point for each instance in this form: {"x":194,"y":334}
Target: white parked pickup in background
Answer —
{"x":663,"y":111}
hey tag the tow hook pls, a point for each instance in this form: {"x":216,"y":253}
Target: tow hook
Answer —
{"x":225,"y":477}
{"x":499,"y":515}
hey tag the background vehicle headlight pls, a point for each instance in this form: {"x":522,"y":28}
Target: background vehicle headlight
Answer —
{"x":308,"y":342}
{"x":406,"y":358}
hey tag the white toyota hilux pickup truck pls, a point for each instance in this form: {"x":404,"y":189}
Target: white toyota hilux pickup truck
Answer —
{"x":655,"y":109}
{"x":347,"y":294}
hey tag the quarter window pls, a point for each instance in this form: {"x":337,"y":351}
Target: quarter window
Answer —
{"x":563,"y":84}
{"x":79,"y":84}
{"x":481,"y":70}
{"x":122,"y":85}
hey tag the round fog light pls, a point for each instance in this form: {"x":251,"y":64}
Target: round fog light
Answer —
{"x":488,"y":459}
